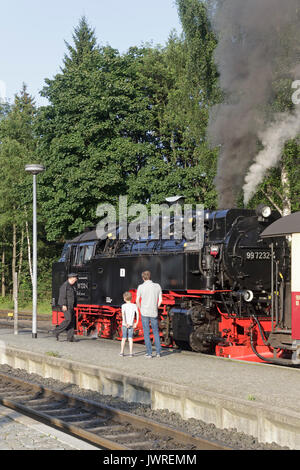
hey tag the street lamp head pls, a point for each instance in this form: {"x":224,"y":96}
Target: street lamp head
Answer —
{"x":34,"y":168}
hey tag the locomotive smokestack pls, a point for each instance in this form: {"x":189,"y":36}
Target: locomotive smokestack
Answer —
{"x":258,"y":42}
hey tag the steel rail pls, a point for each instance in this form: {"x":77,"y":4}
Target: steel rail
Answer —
{"x":39,"y":402}
{"x":8,"y":313}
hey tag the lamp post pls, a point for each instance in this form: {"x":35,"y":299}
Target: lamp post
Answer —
{"x":34,"y":169}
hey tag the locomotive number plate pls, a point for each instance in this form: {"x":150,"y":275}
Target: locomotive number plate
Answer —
{"x":254,"y":255}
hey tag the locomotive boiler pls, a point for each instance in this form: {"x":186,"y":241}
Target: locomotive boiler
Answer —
{"x":216,"y":300}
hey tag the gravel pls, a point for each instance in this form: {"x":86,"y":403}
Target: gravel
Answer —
{"x":232,"y":438}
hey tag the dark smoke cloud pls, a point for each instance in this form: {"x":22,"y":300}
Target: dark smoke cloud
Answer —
{"x":250,"y":34}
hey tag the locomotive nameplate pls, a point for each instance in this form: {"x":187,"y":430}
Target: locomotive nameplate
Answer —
{"x":253,"y":255}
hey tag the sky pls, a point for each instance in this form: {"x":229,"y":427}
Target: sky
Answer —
{"x":32,"y":34}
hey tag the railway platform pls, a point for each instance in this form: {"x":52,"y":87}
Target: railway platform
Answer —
{"x":261,"y":400}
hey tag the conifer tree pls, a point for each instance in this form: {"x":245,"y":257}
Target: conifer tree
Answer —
{"x":85,"y":43}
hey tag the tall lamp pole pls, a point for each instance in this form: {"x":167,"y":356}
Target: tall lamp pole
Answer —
{"x":34,"y":169}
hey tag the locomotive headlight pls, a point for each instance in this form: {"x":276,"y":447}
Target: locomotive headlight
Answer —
{"x":266,"y":212}
{"x":263,"y":211}
{"x":248,"y":295}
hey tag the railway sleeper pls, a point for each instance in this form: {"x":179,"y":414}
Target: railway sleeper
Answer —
{"x":141,"y":444}
{"x":73,"y":417}
{"x":86,"y":423}
{"x":42,"y":403}
{"x":61,"y":411}
{"x":122,"y":437}
{"x":99,"y":429}
{"x":14,"y":393}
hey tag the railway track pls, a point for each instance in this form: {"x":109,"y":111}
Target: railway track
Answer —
{"x":8,"y":314}
{"x":105,"y":427}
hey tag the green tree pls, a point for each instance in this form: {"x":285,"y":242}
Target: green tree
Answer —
{"x":184,"y":85}
{"x":94,"y":134}
{"x":17,"y":145}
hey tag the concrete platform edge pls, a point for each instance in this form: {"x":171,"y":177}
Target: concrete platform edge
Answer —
{"x":266,"y":423}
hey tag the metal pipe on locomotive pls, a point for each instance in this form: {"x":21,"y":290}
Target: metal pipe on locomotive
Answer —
{"x":216,"y":300}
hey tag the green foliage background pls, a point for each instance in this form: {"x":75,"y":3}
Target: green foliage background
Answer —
{"x":117,"y":124}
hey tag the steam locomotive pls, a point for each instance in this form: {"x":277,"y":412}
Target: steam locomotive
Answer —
{"x":222,"y":299}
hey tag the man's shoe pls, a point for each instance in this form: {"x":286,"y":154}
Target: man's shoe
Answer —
{"x":147,"y":356}
{"x":73,"y":340}
{"x":54,"y":333}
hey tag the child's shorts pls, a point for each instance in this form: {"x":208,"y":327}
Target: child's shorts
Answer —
{"x":127,"y":332}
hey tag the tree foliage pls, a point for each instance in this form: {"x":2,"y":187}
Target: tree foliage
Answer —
{"x":17,"y":145}
{"x":122,"y":124}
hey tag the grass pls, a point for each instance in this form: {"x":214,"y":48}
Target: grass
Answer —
{"x":44,"y":306}
{"x":251,"y":397}
{"x":52,"y":354}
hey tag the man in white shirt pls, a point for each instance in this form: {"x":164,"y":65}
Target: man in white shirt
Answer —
{"x":148,"y":299}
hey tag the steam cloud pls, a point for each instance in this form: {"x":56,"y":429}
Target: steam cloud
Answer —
{"x":286,"y":127}
{"x":250,"y":53}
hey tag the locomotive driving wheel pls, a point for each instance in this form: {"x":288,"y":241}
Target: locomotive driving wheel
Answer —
{"x":198,"y":342}
{"x":201,"y":339}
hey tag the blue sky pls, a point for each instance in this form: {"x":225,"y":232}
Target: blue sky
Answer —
{"x":32,"y":34}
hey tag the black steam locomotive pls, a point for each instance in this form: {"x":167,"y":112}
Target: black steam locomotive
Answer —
{"x":216,"y":299}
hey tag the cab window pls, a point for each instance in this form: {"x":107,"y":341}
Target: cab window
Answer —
{"x":84,"y":253}
{"x":63,"y":258}
{"x":88,"y":253}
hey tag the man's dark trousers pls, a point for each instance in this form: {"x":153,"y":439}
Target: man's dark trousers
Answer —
{"x":68,"y":298}
{"x":67,"y":325}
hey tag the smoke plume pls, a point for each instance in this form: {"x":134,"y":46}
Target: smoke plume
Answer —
{"x":285,"y":127}
{"x":251,"y":55}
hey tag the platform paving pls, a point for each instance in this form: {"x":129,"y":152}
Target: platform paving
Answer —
{"x":19,"y":432}
{"x":259,"y":399}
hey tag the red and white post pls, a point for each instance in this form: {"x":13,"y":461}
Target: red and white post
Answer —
{"x":295,"y":288}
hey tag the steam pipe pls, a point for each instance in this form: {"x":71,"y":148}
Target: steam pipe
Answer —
{"x":277,"y":361}
{"x":265,"y":359}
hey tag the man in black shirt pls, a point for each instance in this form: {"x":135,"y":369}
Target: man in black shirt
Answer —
{"x":67,"y":301}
